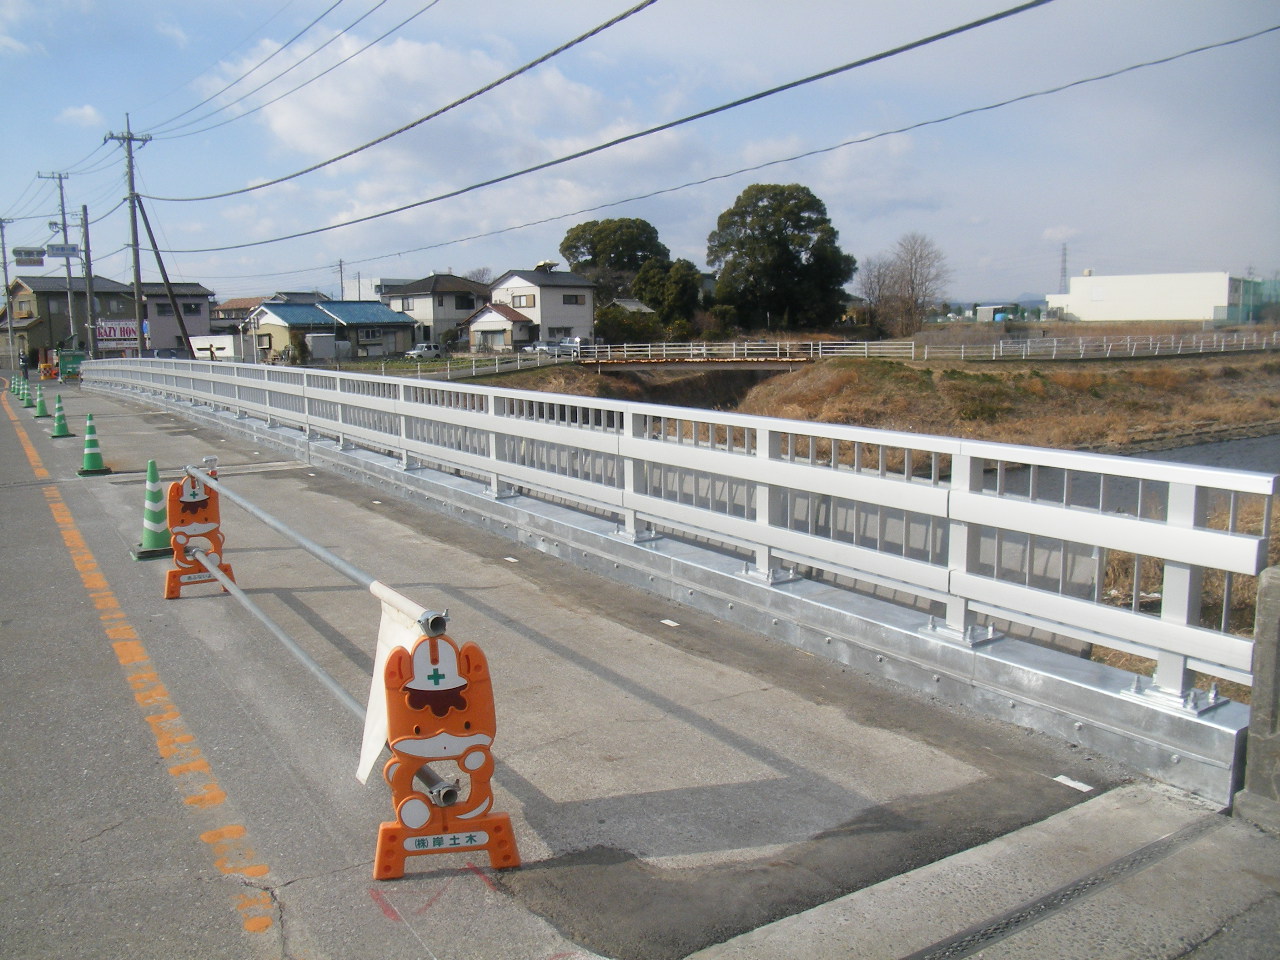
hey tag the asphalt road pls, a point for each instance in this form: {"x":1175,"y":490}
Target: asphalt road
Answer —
{"x":176,"y":785}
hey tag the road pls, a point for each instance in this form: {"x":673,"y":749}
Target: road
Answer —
{"x":176,"y":785}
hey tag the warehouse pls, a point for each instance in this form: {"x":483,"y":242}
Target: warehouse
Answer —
{"x":1217,"y":298}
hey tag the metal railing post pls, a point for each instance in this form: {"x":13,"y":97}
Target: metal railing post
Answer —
{"x":1259,"y":801}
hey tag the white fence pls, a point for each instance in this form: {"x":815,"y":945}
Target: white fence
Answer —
{"x":1107,"y":550}
{"x":1043,"y":348}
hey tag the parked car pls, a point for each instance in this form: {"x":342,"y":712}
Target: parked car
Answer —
{"x":538,"y":346}
{"x":425,"y":351}
{"x":568,"y":347}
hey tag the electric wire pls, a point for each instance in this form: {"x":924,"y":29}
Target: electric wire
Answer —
{"x":637,"y":135}
{"x":960,"y":114}
{"x":172,"y":90}
{"x":250,"y":71}
{"x":170,"y":135}
{"x":594,"y":31}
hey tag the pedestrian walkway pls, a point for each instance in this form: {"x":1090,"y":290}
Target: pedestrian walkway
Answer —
{"x":1141,"y":872}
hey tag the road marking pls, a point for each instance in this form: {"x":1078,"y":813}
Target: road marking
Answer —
{"x":1073,"y":784}
{"x":228,"y":843}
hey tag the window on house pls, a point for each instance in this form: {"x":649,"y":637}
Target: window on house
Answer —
{"x":522,"y":300}
{"x":575,"y":298}
{"x":440,"y":301}
{"x":191,"y":309}
{"x":163,"y":309}
{"x":406,"y":303}
{"x":464,"y":301}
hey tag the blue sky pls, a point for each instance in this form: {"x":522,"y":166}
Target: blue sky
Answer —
{"x":1169,"y":168}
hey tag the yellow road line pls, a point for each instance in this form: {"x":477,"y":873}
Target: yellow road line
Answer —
{"x":228,"y":844}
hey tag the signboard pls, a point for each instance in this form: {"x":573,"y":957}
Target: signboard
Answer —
{"x":67,"y":251}
{"x":28,"y":256}
{"x":116,"y":334}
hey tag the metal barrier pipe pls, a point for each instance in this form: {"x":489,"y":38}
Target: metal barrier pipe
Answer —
{"x":431,"y":622}
{"x":443,"y":792}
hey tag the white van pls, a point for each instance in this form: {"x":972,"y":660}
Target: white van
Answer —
{"x":425,"y":351}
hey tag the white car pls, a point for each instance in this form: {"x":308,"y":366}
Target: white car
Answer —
{"x":425,"y":351}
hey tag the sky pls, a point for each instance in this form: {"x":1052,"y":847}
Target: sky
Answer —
{"x":1172,"y":167}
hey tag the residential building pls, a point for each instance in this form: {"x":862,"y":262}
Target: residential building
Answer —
{"x":371,"y":328}
{"x":557,"y":303}
{"x":227,"y":316}
{"x":1217,"y":298}
{"x":438,"y":303}
{"x":41,"y":321}
{"x":164,"y":332}
{"x":497,"y":327}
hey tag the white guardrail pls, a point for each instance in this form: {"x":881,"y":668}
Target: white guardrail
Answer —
{"x":1108,"y":550}
{"x":1041,"y":348}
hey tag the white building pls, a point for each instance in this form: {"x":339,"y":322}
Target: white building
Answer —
{"x":557,"y":303}
{"x":1207,"y":297}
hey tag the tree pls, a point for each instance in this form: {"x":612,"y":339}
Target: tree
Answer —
{"x":671,"y":289}
{"x":611,"y":252}
{"x":779,"y":259}
{"x":905,"y":285}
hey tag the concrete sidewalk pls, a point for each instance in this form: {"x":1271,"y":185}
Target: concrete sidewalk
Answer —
{"x":1142,"y":872}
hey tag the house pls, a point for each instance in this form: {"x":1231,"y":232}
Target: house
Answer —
{"x":557,"y":303}
{"x":497,"y":327}
{"x":629,"y":305}
{"x":438,"y":303}
{"x":372,"y":329}
{"x":41,"y":322}
{"x":1206,"y":297}
{"x":164,"y":332}
{"x":227,"y":316}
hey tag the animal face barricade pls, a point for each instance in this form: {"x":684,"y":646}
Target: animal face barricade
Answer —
{"x":440,"y":708}
{"x":195,"y":526}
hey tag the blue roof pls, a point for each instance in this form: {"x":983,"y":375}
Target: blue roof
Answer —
{"x":350,"y":313}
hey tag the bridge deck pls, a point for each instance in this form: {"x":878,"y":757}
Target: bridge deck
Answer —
{"x":172,"y":758}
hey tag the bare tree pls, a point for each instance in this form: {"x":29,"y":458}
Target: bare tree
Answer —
{"x":905,"y":285}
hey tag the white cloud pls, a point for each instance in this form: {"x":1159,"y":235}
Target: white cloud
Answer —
{"x":173,"y":32}
{"x":85,"y":116}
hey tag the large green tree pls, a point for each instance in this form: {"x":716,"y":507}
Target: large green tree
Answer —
{"x":672,"y":290}
{"x":611,"y":252}
{"x":779,"y":258}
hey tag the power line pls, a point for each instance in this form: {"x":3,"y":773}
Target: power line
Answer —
{"x":260,"y":63}
{"x":670,"y":125}
{"x":594,"y":31}
{"x":289,"y":69}
{"x":829,"y":149}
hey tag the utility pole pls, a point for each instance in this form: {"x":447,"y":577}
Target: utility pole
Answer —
{"x":128,"y":139}
{"x":342,"y":284}
{"x":62,"y":204}
{"x":90,"y":324}
{"x":8,"y":305}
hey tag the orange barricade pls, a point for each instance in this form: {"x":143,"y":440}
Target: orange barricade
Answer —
{"x":194,"y":524}
{"x":440,"y":708}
